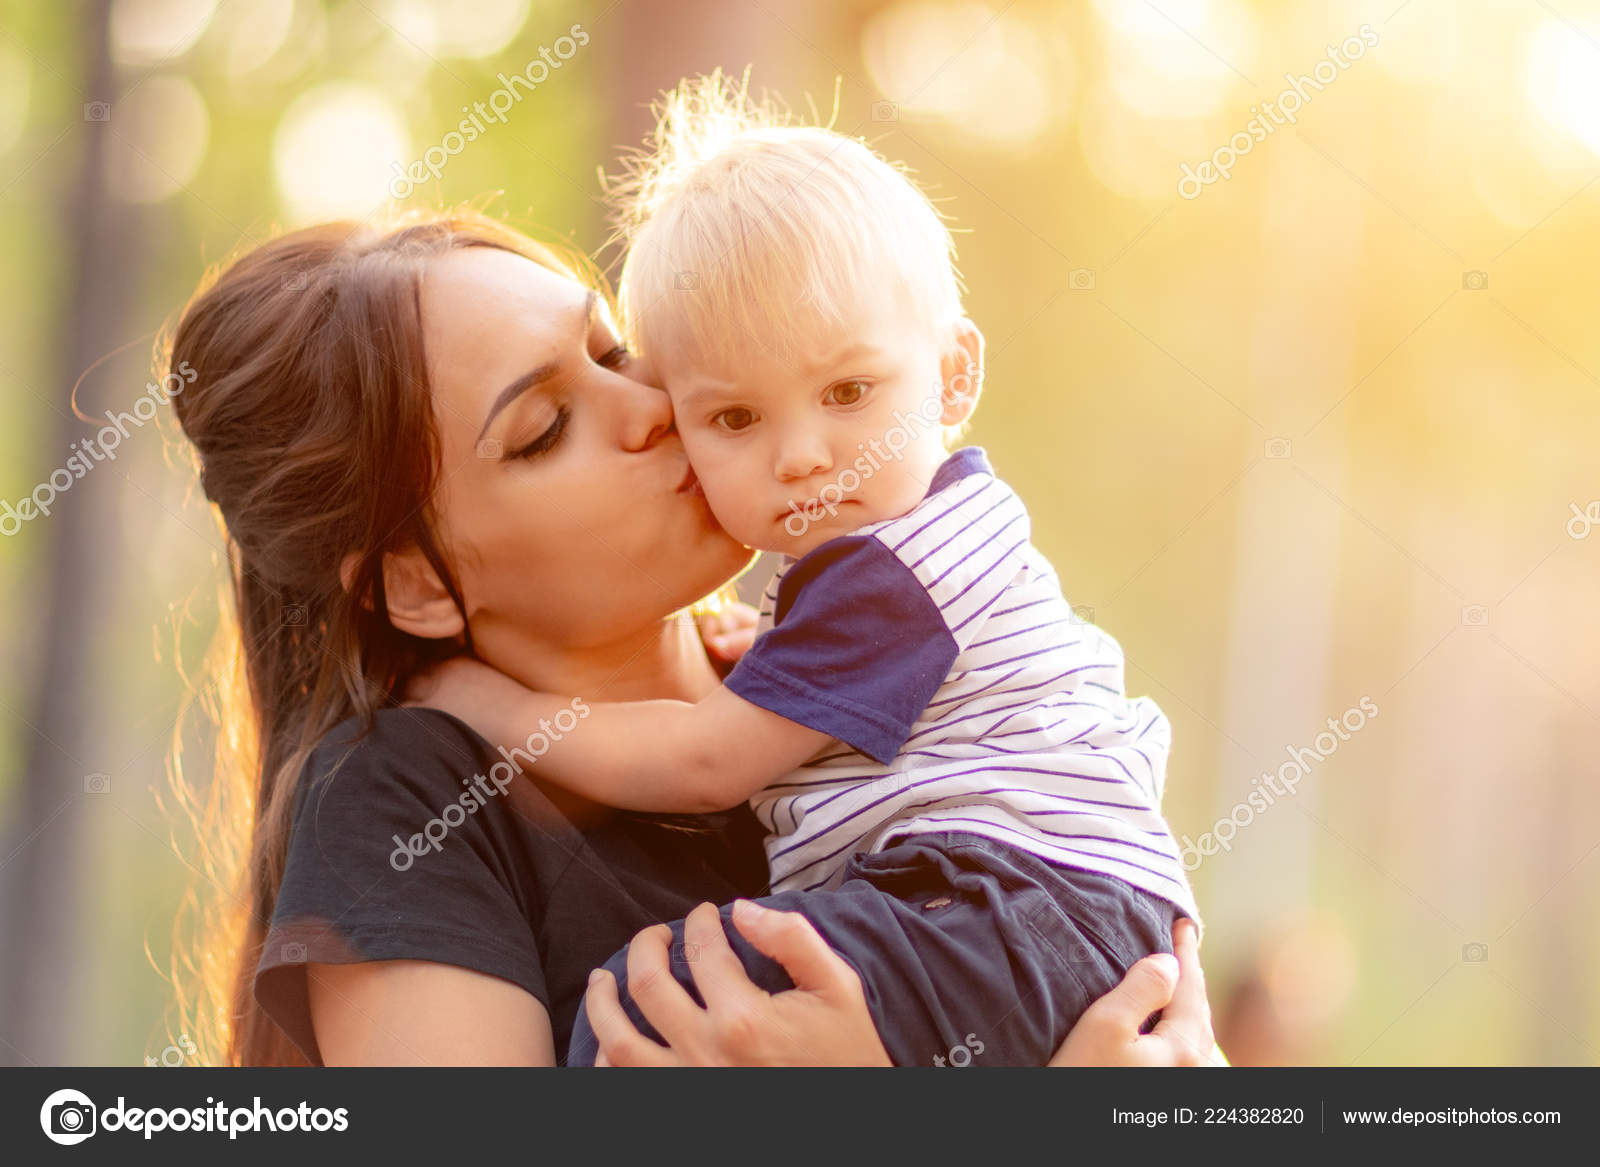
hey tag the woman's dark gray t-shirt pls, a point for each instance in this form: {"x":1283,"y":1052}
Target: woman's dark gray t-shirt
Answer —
{"x":532,"y":885}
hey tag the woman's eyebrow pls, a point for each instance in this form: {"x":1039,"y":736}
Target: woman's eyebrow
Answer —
{"x":534,"y":377}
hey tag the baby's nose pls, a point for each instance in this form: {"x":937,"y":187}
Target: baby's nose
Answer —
{"x":801,"y":459}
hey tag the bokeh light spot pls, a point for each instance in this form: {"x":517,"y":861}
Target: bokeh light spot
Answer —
{"x":158,"y":140}
{"x":333,"y":152}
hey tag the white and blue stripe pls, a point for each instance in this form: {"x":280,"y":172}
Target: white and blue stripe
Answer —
{"x":1027,"y":736}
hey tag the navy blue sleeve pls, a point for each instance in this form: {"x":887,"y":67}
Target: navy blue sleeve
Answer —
{"x":857,"y":649}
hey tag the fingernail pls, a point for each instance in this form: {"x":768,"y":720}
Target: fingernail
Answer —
{"x":594,"y":976}
{"x":749,"y":909}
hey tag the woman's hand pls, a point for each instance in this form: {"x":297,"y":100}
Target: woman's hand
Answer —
{"x":1108,"y":1032}
{"x":822,"y":1021}
{"x":729,"y":632}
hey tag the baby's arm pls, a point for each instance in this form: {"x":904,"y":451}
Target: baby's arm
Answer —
{"x":637,"y":755}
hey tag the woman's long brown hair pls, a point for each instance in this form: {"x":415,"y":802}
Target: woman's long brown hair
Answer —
{"x":311,"y":415}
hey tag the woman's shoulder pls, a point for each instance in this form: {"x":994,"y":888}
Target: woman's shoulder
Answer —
{"x":402,"y":729}
{"x":392,"y":856}
{"x":412,"y":749}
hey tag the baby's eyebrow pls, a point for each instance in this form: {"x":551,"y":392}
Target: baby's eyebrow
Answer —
{"x":714,"y":391}
{"x":856,"y":350}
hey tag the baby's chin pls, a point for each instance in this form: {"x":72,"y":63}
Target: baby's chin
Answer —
{"x":774,"y":539}
{"x":795,"y":533}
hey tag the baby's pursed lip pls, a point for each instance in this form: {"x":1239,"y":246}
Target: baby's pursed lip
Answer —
{"x":817,"y":508}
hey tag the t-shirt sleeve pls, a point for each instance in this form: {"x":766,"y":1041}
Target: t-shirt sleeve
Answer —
{"x":857,"y":650}
{"x":354,"y":890}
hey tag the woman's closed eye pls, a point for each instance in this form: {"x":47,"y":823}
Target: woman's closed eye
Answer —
{"x":615,"y":357}
{"x":546,"y":441}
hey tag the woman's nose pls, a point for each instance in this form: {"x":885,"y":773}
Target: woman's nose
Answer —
{"x":645,"y":414}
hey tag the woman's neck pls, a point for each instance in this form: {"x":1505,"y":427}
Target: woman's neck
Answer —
{"x":664,"y":661}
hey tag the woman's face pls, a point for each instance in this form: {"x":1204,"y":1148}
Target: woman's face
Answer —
{"x":564,"y":494}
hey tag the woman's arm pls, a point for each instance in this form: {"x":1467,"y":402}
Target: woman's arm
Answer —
{"x":824,"y":1020}
{"x":422,"y":1013}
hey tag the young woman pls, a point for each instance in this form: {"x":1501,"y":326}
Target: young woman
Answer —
{"x":425,"y":439}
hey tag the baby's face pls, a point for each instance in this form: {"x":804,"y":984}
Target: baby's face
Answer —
{"x":791,"y":455}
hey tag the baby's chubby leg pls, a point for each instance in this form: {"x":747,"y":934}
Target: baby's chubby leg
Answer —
{"x":968,"y":953}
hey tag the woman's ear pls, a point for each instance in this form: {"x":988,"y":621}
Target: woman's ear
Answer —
{"x":418,"y":601}
{"x":961,"y":371}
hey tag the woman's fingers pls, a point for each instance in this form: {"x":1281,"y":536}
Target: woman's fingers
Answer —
{"x":1190,"y":998}
{"x":620,"y":1043}
{"x":1108,"y":1032}
{"x":790,"y":939}
{"x":1187,"y":1021}
{"x":717,"y":971}
{"x":1148,"y":986}
{"x":663,"y":1001}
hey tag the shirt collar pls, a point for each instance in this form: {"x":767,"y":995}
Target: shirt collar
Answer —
{"x":968,"y":460}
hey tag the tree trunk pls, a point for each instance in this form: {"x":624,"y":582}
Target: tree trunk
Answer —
{"x":42,"y":862}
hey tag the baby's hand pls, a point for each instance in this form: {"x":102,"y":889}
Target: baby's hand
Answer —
{"x":465,"y":687}
{"x":729,"y":633}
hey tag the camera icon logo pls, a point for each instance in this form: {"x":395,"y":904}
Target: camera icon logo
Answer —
{"x":1082,"y":614}
{"x":685,"y":953}
{"x":1077,"y":952}
{"x":97,"y":111}
{"x":294,"y":614}
{"x":1081,"y":279}
{"x":1475,"y":616}
{"x":1278,"y":448}
{"x":1475,"y":952}
{"x":489,"y":448}
{"x":294,"y":953}
{"x":97,"y":783}
{"x":67,"y":1117}
{"x":1474,"y":281}
{"x":686,"y":281}
{"x":295,"y":283}
{"x":885,"y":111}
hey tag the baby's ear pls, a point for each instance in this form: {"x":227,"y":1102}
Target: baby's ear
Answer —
{"x":961,"y":371}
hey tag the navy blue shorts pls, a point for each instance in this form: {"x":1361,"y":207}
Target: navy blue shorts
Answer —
{"x":971,"y":952}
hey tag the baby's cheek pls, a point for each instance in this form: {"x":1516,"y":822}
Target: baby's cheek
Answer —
{"x":734,"y":507}
{"x":895,"y":489}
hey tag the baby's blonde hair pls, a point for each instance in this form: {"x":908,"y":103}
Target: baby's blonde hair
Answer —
{"x":744,"y":227}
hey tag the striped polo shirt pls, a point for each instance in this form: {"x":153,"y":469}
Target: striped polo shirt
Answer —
{"x":964,"y":695}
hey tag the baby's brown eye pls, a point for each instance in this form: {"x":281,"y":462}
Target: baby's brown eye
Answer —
{"x":846,"y":392}
{"x":734,"y":419}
